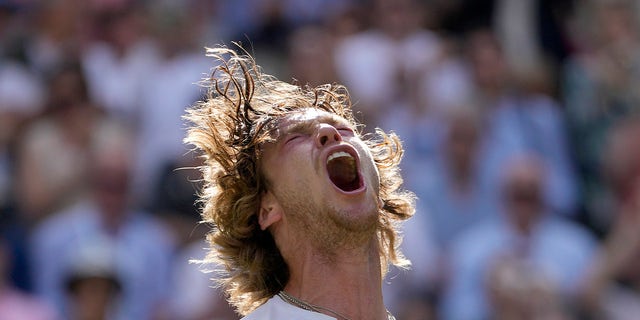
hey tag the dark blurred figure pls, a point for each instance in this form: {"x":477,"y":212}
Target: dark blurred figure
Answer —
{"x":555,"y":254}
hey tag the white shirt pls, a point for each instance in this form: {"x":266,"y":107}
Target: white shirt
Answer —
{"x":277,"y":309}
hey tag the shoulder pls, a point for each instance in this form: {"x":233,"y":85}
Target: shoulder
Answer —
{"x":275,"y":309}
{"x":63,"y":223}
{"x":564,"y":231}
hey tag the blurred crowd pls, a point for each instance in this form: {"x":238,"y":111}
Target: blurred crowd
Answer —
{"x":520,"y":121}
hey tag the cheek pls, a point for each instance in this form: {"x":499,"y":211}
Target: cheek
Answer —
{"x":294,"y":171}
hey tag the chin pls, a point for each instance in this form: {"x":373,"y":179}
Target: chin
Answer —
{"x":358,"y":220}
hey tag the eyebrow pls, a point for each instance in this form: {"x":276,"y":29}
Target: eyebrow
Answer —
{"x":300,"y":126}
{"x":304,"y":125}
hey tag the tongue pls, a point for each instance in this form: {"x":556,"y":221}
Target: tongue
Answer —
{"x":343,"y":173}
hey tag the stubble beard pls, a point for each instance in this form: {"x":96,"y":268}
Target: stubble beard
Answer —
{"x":329,"y":229}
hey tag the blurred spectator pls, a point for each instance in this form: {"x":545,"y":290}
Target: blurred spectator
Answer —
{"x":517,"y":290}
{"x":21,"y":91}
{"x":621,"y":163}
{"x":15,"y":304}
{"x":613,"y":288}
{"x":192,"y":296}
{"x":312,"y":44}
{"x":166,"y":94}
{"x":520,"y":121}
{"x":59,"y":29}
{"x":143,"y":247}
{"x":120,"y":61}
{"x":91,"y":281}
{"x":452,"y":198}
{"x":51,"y":155}
{"x":381,"y":66}
{"x":21,"y":98}
{"x":558,"y":251}
{"x":600,"y":90}
{"x":455,"y":193}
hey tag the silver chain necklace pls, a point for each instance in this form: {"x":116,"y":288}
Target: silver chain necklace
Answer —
{"x":315,"y":308}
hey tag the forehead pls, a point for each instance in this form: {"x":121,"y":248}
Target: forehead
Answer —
{"x":309,"y":117}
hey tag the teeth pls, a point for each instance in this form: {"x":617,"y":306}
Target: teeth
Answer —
{"x":338,"y":154}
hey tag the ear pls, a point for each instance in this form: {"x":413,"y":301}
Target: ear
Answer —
{"x":270,"y":211}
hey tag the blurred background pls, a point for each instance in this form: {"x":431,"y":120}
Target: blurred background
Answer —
{"x":520,"y":121}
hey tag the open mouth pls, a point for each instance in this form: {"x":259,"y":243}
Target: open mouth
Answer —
{"x":343,"y":171}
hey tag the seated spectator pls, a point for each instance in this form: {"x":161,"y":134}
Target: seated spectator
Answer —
{"x":452,"y":187}
{"x":92,"y":280}
{"x":520,"y":120}
{"x":143,"y":247}
{"x":526,"y":233}
{"x":51,"y":156}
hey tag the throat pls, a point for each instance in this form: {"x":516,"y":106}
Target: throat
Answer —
{"x":349,"y":281}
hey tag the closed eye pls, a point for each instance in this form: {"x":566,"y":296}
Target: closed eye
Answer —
{"x":345,"y":131}
{"x":292,"y":138}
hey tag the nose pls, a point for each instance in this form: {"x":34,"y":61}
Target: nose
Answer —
{"x":327,"y":134}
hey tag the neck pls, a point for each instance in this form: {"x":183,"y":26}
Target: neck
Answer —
{"x":348,"y":283}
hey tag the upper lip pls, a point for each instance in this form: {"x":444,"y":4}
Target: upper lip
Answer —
{"x":345,"y":148}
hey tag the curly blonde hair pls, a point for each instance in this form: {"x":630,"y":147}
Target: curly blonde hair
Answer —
{"x":229,"y":127}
